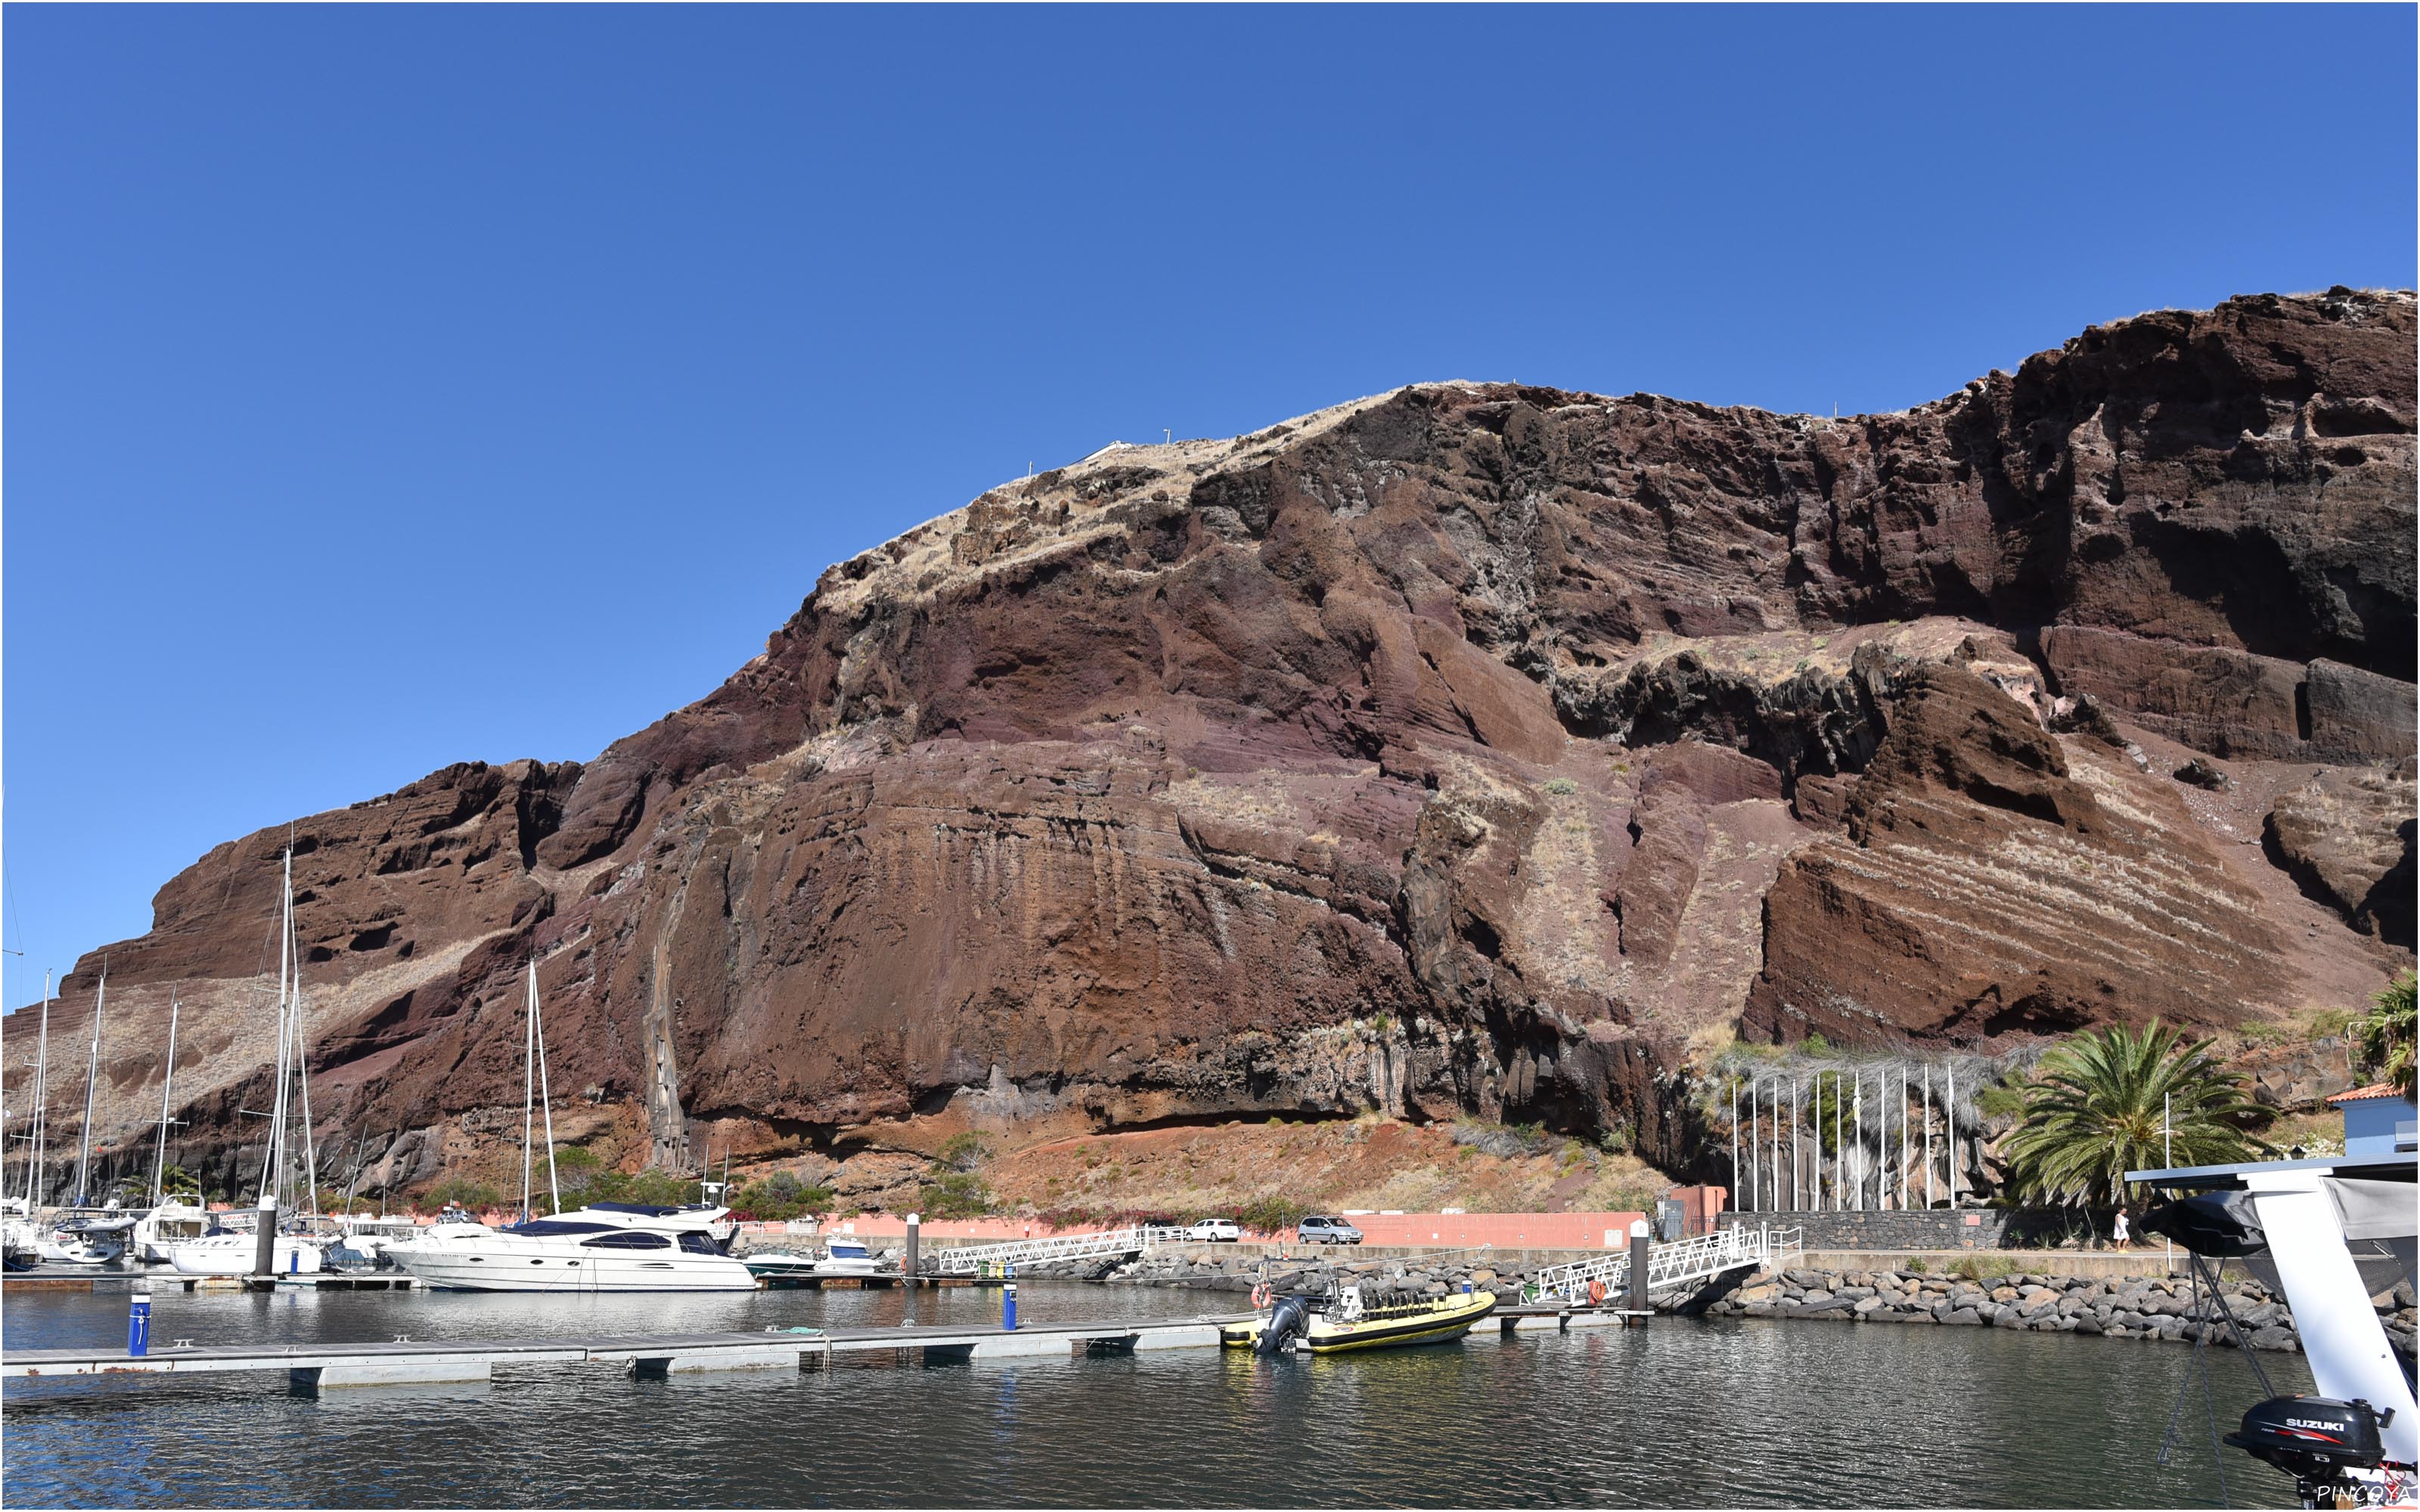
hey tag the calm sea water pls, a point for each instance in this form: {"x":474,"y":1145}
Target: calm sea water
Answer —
{"x":1689,"y":1412}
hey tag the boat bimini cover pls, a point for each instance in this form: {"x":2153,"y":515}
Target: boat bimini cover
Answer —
{"x":2380,"y":1220}
{"x":2220,"y":1224}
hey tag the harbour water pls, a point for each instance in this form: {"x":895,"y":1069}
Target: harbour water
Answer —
{"x":1688,"y":1412}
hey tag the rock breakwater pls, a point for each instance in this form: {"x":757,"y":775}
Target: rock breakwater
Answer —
{"x":2144,"y":1307}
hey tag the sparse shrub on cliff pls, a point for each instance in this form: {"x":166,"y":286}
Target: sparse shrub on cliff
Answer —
{"x":2120,"y":1100}
{"x":1508,"y":1142}
{"x":964,"y":1151}
{"x":955,"y":1195}
{"x":781,"y":1197}
{"x":473,"y":1195}
{"x":1562,"y":787}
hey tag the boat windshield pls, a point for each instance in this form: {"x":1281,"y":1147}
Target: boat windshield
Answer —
{"x":556,"y":1226}
{"x":699,"y":1244}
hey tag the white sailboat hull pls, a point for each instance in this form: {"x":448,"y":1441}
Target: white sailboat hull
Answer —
{"x":234,"y":1254}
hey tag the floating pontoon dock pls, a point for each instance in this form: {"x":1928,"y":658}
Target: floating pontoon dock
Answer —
{"x":312,"y":1366}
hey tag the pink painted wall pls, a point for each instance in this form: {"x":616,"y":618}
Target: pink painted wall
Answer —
{"x":1505,"y":1231}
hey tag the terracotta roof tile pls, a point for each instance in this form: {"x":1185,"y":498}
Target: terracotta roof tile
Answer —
{"x":2364,"y":1094}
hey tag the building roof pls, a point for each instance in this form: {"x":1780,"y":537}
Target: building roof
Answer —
{"x":2364,"y":1094}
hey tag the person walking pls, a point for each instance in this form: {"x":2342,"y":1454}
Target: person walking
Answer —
{"x":2117,"y":1234}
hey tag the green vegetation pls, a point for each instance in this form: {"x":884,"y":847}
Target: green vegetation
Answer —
{"x":780,"y":1198}
{"x":1562,"y":787}
{"x":1916,"y":1266}
{"x":2096,"y":1110}
{"x":2003,"y":1099}
{"x":1271,"y":1215}
{"x":178,"y":1181}
{"x":2328,"y":1023}
{"x":583,"y":1178}
{"x":2382,"y":1038}
{"x":1972,"y":1268}
{"x":964,"y":1151}
{"x":463,"y":1191}
{"x":955,"y":1195}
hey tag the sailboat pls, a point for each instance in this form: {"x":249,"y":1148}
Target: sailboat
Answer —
{"x":606,"y":1246}
{"x":19,"y":1237}
{"x":172,"y":1221}
{"x":237,"y":1254}
{"x":91,"y":1084}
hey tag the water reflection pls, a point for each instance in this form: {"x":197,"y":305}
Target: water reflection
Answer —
{"x":1684,"y":1412}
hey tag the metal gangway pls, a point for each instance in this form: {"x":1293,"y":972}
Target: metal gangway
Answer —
{"x":978,"y":1259}
{"x":1670,"y":1265}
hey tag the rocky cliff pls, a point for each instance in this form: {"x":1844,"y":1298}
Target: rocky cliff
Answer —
{"x":1473,"y":747}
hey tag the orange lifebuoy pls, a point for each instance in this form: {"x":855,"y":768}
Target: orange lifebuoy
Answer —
{"x":1261,"y":1295}
{"x":1596,"y":1291}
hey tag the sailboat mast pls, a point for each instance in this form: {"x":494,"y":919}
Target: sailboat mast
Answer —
{"x":545,"y":1097}
{"x":42,"y":1104}
{"x":529,"y":1087}
{"x":302,"y":1083}
{"x":168,"y":1082}
{"x":91,"y":1084}
{"x":273,"y":1178}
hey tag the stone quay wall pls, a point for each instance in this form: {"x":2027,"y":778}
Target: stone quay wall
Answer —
{"x":2143,"y":1308}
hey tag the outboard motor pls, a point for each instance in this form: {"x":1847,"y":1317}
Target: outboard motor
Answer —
{"x":1289,"y":1320}
{"x":2315,"y":1438}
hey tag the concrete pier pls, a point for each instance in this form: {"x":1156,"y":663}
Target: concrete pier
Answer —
{"x":315,"y":1367}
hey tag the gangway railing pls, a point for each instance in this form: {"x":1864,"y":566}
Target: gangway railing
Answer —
{"x":1671,"y":1265}
{"x":973,"y":1259}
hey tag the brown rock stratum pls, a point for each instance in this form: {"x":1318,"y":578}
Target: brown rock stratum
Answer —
{"x":1471,"y":748}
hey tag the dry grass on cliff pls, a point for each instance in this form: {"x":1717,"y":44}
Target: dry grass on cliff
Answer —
{"x":1365,"y":1162}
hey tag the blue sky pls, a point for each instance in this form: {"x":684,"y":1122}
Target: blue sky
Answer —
{"x":393,"y":385}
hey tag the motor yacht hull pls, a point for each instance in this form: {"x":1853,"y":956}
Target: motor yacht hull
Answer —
{"x":503,"y":1267}
{"x":603,"y":1248}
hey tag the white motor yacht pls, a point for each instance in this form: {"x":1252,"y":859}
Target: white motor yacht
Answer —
{"x":841,"y":1258}
{"x":846,"y":1256}
{"x":608,"y":1246}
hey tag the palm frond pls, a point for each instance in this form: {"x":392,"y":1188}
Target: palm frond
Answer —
{"x":2120,"y":1100}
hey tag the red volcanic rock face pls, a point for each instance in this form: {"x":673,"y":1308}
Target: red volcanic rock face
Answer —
{"x":1467,"y":749}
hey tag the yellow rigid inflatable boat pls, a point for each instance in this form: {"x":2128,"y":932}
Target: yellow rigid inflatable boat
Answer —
{"x":1350,"y":1319}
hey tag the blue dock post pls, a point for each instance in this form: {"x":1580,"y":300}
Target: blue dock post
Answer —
{"x":1008,"y":1298}
{"x":138,"y":1324}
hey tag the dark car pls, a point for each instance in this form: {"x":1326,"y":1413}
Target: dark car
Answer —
{"x":1326,"y":1231}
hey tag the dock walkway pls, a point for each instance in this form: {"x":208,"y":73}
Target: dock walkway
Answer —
{"x":403,"y":1361}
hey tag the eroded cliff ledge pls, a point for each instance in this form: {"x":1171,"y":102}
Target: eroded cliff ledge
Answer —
{"x":1469,"y":748}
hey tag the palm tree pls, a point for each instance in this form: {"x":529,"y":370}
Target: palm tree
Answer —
{"x":2121,"y":1100}
{"x":2381,"y":1038}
